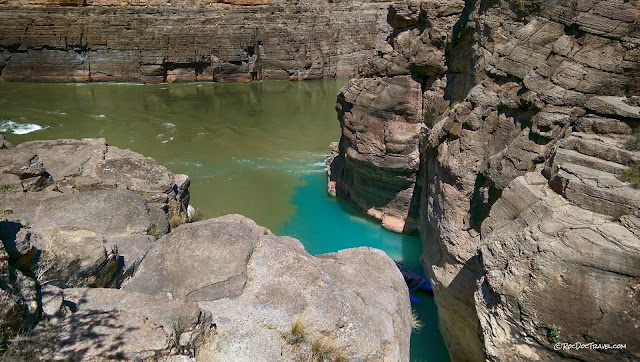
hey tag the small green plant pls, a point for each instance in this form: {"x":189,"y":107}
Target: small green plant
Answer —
{"x":324,"y":348}
{"x":77,"y":172}
{"x":631,"y":175}
{"x":6,"y":212}
{"x":153,"y":230}
{"x":24,"y":223}
{"x":553,"y":334}
{"x":633,"y":142}
{"x":416,"y":324}
{"x":5,"y":188}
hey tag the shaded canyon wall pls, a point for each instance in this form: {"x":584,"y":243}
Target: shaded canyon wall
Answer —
{"x":501,"y":128}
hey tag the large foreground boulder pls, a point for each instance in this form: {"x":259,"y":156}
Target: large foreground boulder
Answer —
{"x":220,"y":289}
{"x":257,"y":286}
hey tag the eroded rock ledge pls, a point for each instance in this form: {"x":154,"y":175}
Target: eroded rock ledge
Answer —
{"x":92,"y":269}
{"x":507,"y":138}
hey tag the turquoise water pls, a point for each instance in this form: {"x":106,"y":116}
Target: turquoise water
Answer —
{"x":324,"y":225}
{"x":255,"y":149}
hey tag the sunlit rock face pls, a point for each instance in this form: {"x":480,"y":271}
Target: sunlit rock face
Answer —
{"x":181,"y":41}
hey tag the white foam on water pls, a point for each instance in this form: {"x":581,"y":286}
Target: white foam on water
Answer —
{"x":19,"y":128}
{"x":320,"y":164}
{"x":300,"y":166}
{"x":56,"y":112}
{"x":103,"y":84}
{"x":97,"y":116}
{"x":165,"y":141}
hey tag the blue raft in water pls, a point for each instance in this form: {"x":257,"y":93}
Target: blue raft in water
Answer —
{"x":414,"y":282}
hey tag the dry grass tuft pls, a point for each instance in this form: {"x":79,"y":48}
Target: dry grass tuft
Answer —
{"x":175,"y":220}
{"x":416,"y":324}
{"x":176,"y":216}
{"x":153,"y":230}
{"x":298,"y":329}
{"x":188,"y":343}
{"x":36,"y":345}
{"x":324,"y":348}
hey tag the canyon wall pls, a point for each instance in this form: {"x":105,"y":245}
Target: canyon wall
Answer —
{"x":527,"y":120}
{"x":180,"y":41}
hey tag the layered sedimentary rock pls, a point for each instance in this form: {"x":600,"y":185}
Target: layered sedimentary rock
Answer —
{"x":91,"y":268}
{"x":376,"y":162}
{"x":156,"y":41}
{"x":512,"y":86}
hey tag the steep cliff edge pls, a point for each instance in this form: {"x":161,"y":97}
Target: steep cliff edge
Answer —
{"x":181,"y":41}
{"x":514,"y":85}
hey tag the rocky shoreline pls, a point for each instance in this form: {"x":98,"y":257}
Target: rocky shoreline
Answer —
{"x":94,"y":266}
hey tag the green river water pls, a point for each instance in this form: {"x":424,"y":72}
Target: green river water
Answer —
{"x":255,"y":149}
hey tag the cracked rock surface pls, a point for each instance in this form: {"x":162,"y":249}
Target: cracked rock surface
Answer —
{"x":91,"y":269}
{"x":545,"y":90}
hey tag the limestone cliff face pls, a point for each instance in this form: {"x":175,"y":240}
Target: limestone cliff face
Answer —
{"x":155,"y":41}
{"x":525,"y":107}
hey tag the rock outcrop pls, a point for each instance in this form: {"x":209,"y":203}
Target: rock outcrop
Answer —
{"x":90,"y":267}
{"x":257,"y":284}
{"x":182,"y":41}
{"x":526,"y":106}
{"x":376,"y":163}
{"x":82,"y":221}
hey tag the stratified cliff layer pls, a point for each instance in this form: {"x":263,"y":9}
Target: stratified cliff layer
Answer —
{"x":97,"y":263}
{"x":156,"y":41}
{"x":528,"y":108}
